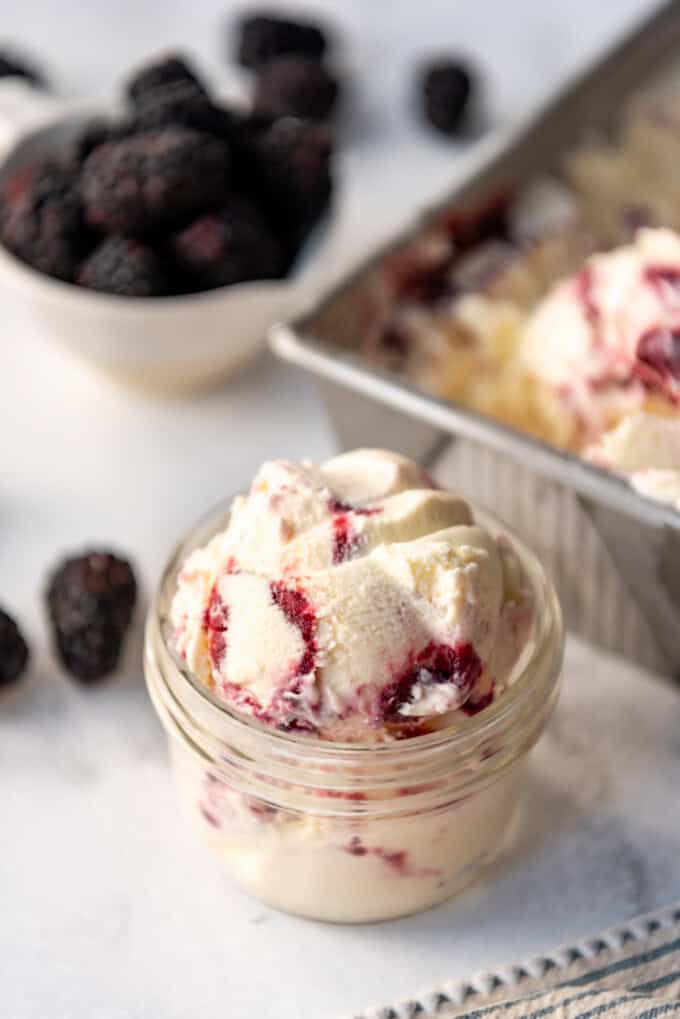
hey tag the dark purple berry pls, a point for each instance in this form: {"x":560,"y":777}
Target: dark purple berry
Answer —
{"x":182,"y":104}
{"x":446,"y":89}
{"x":295,"y":86}
{"x":265,"y":35}
{"x":90,"y":601}
{"x":292,"y":176}
{"x":14,"y":66}
{"x":95,"y":133}
{"x":166,"y":70}
{"x":153,"y":179}
{"x":13,"y":651}
{"x":41,"y":218}
{"x":243,"y":148}
{"x":126,"y":267}
{"x":225,"y":247}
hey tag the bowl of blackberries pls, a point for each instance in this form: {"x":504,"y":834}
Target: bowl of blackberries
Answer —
{"x":161,"y":242}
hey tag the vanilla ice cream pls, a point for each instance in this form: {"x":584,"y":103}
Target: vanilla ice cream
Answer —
{"x":386,"y":662}
{"x":472,"y":311}
{"x":604,"y":347}
{"x":646,"y":449}
{"x":352,"y":600}
{"x":607,"y":341}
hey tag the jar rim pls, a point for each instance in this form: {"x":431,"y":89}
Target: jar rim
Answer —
{"x":543,"y":663}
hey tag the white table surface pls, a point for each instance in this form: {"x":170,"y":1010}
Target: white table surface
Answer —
{"x":107,"y":908}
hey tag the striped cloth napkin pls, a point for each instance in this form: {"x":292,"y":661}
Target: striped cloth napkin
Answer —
{"x":632,"y":972}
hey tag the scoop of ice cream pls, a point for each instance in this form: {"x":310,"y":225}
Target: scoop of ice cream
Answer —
{"x":352,"y":599}
{"x":607,"y":341}
{"x":646,"y":449}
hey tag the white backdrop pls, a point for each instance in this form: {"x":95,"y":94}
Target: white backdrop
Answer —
{"x":107,"y":910}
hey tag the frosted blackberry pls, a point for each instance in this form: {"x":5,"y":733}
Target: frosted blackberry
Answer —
{"x":121,"y":265}
{"x":90,"y":601}
{"x":97,"y":132}
{"x":181,"y":104}
{"x":446,"y":88}
{"x":166,"y":70}
{"x":293,"y":176}
{"x":41,"y":218}
{"x":153,"y":179}
{"x":264,"y":35}
{"x":13,"y":651}
{"x":295,"y":86}
{"x":228,"y":246}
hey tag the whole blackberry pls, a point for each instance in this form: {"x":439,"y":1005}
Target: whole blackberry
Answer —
{"x":446,"y":87}
{"x":126,"y":267}
{"x":13,"y":651}
{"x":41,"y":218}
{"x":97,"y":132}
{"x":12,"y":65}
{"x":153,"y":179}
{"x":166,"y":70}
{"x":90,"y":600}
{"x":265,"y":35}
{"x":292,"y":177}
{"x":243,"y":147}
{"x":295,"y":86}
{"x":182,"y":104}
{"x":228,"y":246}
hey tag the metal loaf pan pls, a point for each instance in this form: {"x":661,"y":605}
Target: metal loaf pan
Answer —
{"x":614,"y":555}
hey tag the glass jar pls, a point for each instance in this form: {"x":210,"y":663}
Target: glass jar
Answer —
{"x":348,"y":832}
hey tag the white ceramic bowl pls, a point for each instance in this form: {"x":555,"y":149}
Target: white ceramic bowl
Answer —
{"x":161,"y":343}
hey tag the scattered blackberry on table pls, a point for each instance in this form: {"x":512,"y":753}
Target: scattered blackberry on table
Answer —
{"x":13,"y":651}
{"x":265,"y":35}
{"x":295,"y":86}
{"x":446,"y":88}
{"x":14,"y":66}
{"x":121,"y":265}
{"x":41,"y":218}
{"x":153,"y":179}
{"x":293,"y":176}
{"x":228,"y":246}
{"x":166,"y":70}
{"x":90,"y":601}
